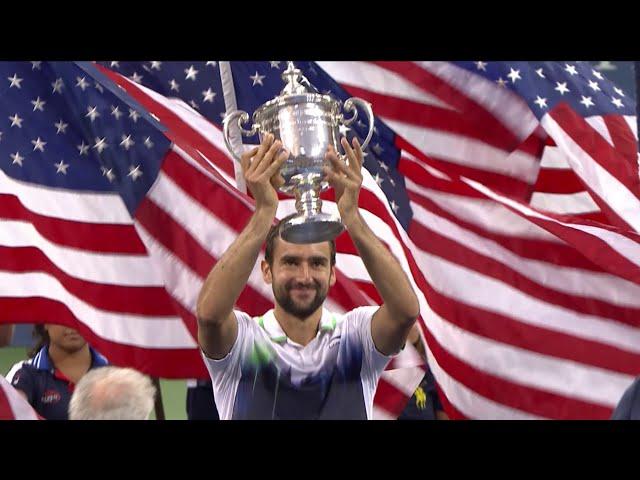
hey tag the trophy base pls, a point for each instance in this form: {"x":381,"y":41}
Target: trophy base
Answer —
{"x":317,"y":228}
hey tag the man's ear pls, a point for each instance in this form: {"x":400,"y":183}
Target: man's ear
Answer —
{"x":332,"y":277}
{"x":266,"y":272}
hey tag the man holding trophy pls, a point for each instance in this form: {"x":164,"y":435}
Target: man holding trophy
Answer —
{"x":299,"y":360}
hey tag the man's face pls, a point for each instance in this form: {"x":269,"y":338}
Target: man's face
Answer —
{"x":65,"y":338}
{"x":300,"y":276}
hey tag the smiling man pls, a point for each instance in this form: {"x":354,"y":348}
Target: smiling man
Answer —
{"x":299,"y":360}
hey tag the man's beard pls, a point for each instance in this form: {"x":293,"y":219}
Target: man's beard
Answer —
{"x":286,"y":302}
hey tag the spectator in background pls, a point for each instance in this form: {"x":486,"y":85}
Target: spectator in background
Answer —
{"x":6,"y":333}
{"x":112,"y":393}
{"x":629,"y":405}
{"x":57,"y":362}
{"x":425,"y":403}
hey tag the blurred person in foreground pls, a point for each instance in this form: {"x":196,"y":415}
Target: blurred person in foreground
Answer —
{"x":112,"y":393}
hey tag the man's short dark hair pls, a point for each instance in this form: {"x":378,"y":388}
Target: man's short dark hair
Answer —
{"x":274,"y":233}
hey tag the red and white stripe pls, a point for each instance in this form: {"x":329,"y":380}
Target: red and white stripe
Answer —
{"x":519,"y":323}
{"x":602,"y":153}
{"x":75,"y":259}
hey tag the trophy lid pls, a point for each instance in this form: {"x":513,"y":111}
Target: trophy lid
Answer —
{"x":297,"y":90}
{"x":295,"y":82}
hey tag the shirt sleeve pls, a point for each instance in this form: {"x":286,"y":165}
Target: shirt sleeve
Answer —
{"x":226,"y":372}
{"x":373,"y":362}
{"x":23,"y":380}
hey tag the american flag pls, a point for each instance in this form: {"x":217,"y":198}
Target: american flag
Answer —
{"x":14,"y":406}
{"x":76,"y":165}
{"x":527,"y":314}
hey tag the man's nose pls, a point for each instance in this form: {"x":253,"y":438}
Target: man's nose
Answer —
{"x":305,"y":272}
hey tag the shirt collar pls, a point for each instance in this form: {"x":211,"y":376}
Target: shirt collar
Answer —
{"x":42,"y":361}
{"x":271,"y":325}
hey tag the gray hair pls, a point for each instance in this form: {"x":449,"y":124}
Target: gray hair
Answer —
{"x":112,"y":393}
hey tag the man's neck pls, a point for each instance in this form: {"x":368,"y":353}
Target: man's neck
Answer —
{"x":79,"y":360}
{"x":296,"y":329}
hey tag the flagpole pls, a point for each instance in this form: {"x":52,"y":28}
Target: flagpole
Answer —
{"x":158,"y":406}
{"x":636,"y":68}
{"x":235,"y":137}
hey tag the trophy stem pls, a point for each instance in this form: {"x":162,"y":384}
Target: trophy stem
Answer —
{"x":307,"y":192}
{"x":310,"y":225}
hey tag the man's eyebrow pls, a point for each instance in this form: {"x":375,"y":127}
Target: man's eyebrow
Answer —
{"x":320,"y":258}
{"x":316,"y":258}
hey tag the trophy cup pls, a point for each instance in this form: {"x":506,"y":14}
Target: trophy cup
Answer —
{"x":306,"y":123}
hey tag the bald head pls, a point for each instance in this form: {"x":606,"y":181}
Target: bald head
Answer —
{"x":112,"y":393}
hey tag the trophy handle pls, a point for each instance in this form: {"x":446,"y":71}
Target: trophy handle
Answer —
{"x":241,"y":118}
{"x":350,"y":106}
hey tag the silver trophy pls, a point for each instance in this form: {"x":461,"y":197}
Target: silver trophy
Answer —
{"x":306,"y":123}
